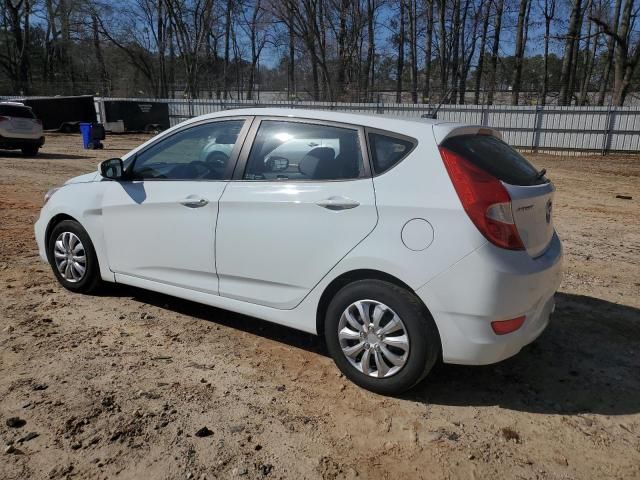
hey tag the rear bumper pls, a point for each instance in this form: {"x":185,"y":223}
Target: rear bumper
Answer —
{"x":16,"y":142}
{"x":487,"y":285}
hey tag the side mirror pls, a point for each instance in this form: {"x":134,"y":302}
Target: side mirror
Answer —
{"x":277,"y":164}
{"x":112,"y":168}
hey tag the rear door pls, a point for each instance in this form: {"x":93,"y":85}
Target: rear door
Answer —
{"x":530,"y":191}
{"x":290,"y":215}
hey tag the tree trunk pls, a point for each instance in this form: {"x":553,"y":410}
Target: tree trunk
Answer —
{"x":413,"y":49}
{"x":426,"y":91}
{"x":227,"y":44}
{"x":572,"y":33}
{"x":481,"y":55}
{"x":608,"y":63}
{"x":442,"y":42}
{"x":454,"y":60}
{"x":291,"y":77}
{"x":400,"y":62}
{"x":519,"y":53}
{"x":493,"y":65}
{"x":104,"y":75}
{"x":367,"y":74}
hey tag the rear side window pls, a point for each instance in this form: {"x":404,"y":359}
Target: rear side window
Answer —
{"x":16,"y":111}
{"x":496,"y":158}
{"x":285,"y":150}
{"x":387,"y":151}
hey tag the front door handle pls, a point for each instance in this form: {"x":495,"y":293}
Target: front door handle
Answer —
{"x":193,"y":201}
{"x":338,"y":203}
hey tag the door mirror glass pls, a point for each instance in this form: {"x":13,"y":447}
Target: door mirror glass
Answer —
{"x":112,"y":168}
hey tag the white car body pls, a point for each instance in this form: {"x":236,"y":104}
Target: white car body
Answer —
{"x":266,"y":249}
{"x":19,"y":128}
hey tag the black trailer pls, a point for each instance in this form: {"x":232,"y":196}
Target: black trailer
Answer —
{"x":138,"y":116}
{"x":63,"y":113}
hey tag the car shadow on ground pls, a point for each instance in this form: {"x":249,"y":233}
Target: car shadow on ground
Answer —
{"x":262,"y":328}
{"x":587,"y":360}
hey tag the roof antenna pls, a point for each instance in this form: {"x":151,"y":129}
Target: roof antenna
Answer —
{"x":434,"y":113}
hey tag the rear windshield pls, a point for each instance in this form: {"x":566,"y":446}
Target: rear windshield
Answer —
{"x":496,"y":158}
{"x":16,"y":111}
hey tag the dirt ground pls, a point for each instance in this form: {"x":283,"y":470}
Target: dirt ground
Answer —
{"x":118,"y":385}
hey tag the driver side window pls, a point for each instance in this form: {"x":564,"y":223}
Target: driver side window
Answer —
{"x":201,"y":152}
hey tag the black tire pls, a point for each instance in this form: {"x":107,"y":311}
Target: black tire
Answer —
{"x":30,"y":150}
{"x":424,"y":340}
{"x":91,"y":280}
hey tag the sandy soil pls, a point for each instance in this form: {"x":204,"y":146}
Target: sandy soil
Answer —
{"x":118,"y":385}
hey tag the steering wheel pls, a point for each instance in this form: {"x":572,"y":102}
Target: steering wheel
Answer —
{"x":217,"y":160}
{"x":215,"y":165}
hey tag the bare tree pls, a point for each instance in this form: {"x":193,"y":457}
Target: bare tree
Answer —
{"x":519,"y":53}
{"x":485,"y":9}
{"x":573,"y":33}
{"x":15,"y":60}
{"x":400,"y":59}
{"x":426,"y":91}
{"x":627,"y":53}
{"x":413,"y":47}
{"x":549,"y":12}
{"x":611,"y":45}
{"x":254,"y":28}
{"x":493,"y":64}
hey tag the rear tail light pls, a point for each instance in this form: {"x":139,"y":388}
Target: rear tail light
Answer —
{"x":485,"y":200}
{"x":502,"y":327}
{"x":3,"y":119}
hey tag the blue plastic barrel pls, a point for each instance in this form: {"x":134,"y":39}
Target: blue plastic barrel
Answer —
{"x":85,"y":130}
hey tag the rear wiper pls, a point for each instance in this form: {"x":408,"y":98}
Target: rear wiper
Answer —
{"x":540,"y":174}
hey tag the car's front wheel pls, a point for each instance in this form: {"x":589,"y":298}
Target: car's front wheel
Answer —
{"x":381,"y":336}
{"x":73,"y":258}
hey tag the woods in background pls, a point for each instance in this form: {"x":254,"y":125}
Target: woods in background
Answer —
{"x":566,"y":52}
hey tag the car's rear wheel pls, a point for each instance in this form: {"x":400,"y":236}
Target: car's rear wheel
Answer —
{"x":30,"y":150}
{"x":381,"y":336}
{"x":73,"y":258}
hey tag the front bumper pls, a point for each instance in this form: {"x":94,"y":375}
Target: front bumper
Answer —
{"x":487,"y":285}
{"x":40,"y":228}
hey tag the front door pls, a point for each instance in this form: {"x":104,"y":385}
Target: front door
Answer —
{"x":160,"y":223}
{"x":302,"y":202}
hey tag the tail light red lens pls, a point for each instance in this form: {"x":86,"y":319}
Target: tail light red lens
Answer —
{"x":485,"y":200}
{"x":502,"y":327}
{"x":3,"y":119}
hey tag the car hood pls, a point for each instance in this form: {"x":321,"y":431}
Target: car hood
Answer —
{"x":86,"y":178}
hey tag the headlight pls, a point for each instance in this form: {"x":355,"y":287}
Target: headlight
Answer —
{"x":48,"y":195}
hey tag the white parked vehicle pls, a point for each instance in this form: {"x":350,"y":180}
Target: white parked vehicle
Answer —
{"x":20,"y":129}
{"x":400,"y":241}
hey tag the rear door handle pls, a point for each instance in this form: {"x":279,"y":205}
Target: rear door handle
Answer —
{"x":338,"y":203}
{"x":193,"y":201}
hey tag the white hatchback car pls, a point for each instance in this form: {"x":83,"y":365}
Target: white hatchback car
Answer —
{"x":400,"y":241}
{"x":20,"y":129}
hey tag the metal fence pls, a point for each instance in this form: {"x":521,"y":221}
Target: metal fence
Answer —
{"x":536,"y":128}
